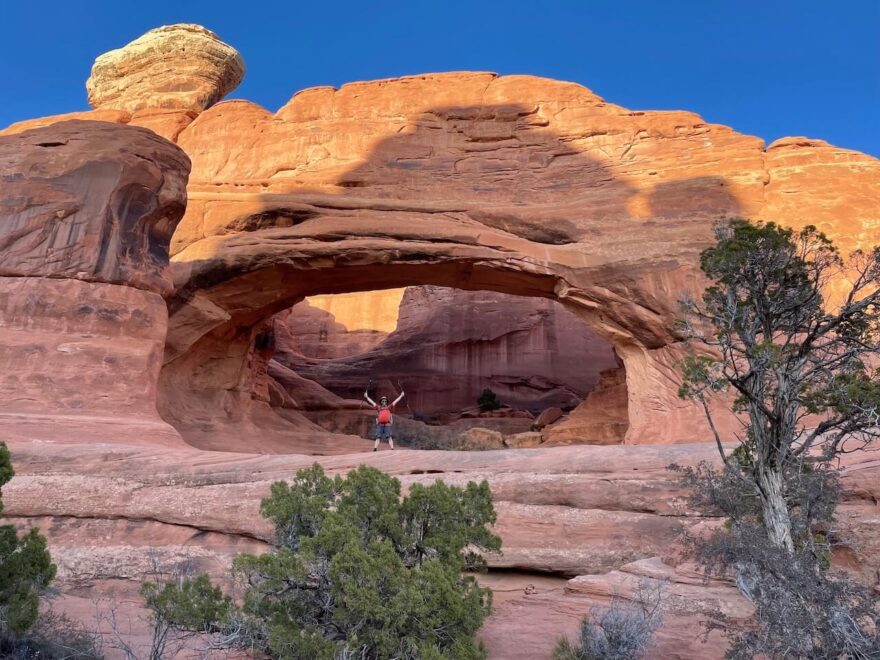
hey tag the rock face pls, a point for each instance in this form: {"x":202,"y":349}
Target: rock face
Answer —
{"x":90,"y":201}
{"x":88,"y":210}
{"x":331,"y":327}
{"x":606,"y":517}
{"x":174,"y":67}
{"x":449,"y":345}
{"x":514,"y":184}
{"x":601,"y":418}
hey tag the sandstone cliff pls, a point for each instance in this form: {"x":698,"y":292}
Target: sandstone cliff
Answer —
{"x":88,"y":210}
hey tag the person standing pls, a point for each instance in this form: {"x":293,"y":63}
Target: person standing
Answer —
{"x":384,"y":419}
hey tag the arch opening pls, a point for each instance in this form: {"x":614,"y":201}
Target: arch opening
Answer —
{"x":445,"y":347}
{"x":222,"y":390}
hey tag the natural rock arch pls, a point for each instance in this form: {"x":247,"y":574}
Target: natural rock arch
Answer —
{"x":511,"y":183}
{"x":467,"y":196}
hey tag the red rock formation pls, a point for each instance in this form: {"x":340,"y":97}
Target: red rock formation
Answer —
{"x":449,"y":345}
{"x":609,"y":515}
{"x":316,"y":333}
{"x":166,"y":77}
{"x":88,"y":210}
{"x":90,"y":201}
{"x":514,"y":184}
{"x":162,"y":80}
{"x":601,"y":418}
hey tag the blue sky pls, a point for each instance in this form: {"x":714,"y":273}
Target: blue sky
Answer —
{"x":769,"y":68}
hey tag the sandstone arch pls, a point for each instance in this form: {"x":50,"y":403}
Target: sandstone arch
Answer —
{"x":482,"y":196}
{"x":549,"y":190}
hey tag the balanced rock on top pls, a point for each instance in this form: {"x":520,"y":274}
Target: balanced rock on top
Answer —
{"x":174,"y":67}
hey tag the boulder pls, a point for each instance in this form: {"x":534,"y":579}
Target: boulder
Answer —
{"x":479,"y":439}
{"x":175,"y":67}
{"x":523,"y":440}
{"x":165,"y":78}
{"x":547,"y":417}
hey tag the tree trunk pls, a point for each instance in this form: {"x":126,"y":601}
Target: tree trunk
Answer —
{"x":776,"y":517}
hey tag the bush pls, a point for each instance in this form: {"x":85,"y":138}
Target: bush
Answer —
{"x":621,"y":631}
{"x":356,"y":572}
{"x":488,"y":400}
{"x":182,"y":608}
{"x":53,"y":637}
{"x":803,"y":606}
{"x":26,"y":569}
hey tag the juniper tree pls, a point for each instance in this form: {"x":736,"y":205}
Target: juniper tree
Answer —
{"x":362,"y":572}
{"x":801,"y":369}
{"x":786,"y":354}
{"x":356,"y":571}
{"x":488,"y":400}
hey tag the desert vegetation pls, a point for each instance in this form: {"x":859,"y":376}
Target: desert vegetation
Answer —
{"x":356,"y":571}
{"x":799,"y":367}
{"x":488,"y":400}
{"x":26,"y":573}
{"x":621,"y":631}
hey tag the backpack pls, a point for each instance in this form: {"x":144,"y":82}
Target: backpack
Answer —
{"x":384,"y":415}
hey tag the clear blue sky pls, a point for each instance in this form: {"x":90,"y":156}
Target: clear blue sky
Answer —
{"x":766,"y":67}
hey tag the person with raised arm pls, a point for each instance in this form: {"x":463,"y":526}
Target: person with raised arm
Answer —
{"x":384,"y":418}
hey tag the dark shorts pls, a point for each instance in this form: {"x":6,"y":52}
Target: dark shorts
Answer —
{"x":384,"y":431}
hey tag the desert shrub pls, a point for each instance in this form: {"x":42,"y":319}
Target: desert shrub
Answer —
{"x":804,"y":608}
{"x":488,"y":400}
{"x":621,"y":631}
{"x":53,"y":637}
{"x":182,"y":607}
{"x":357,"y":571}
{"x":26,"y":569}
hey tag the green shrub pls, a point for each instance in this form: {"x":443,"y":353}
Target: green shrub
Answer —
{"x":488,"y":400}
{"x":26,"y":569}
{"x":359,"y":571}
{"x":356,"y":571}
